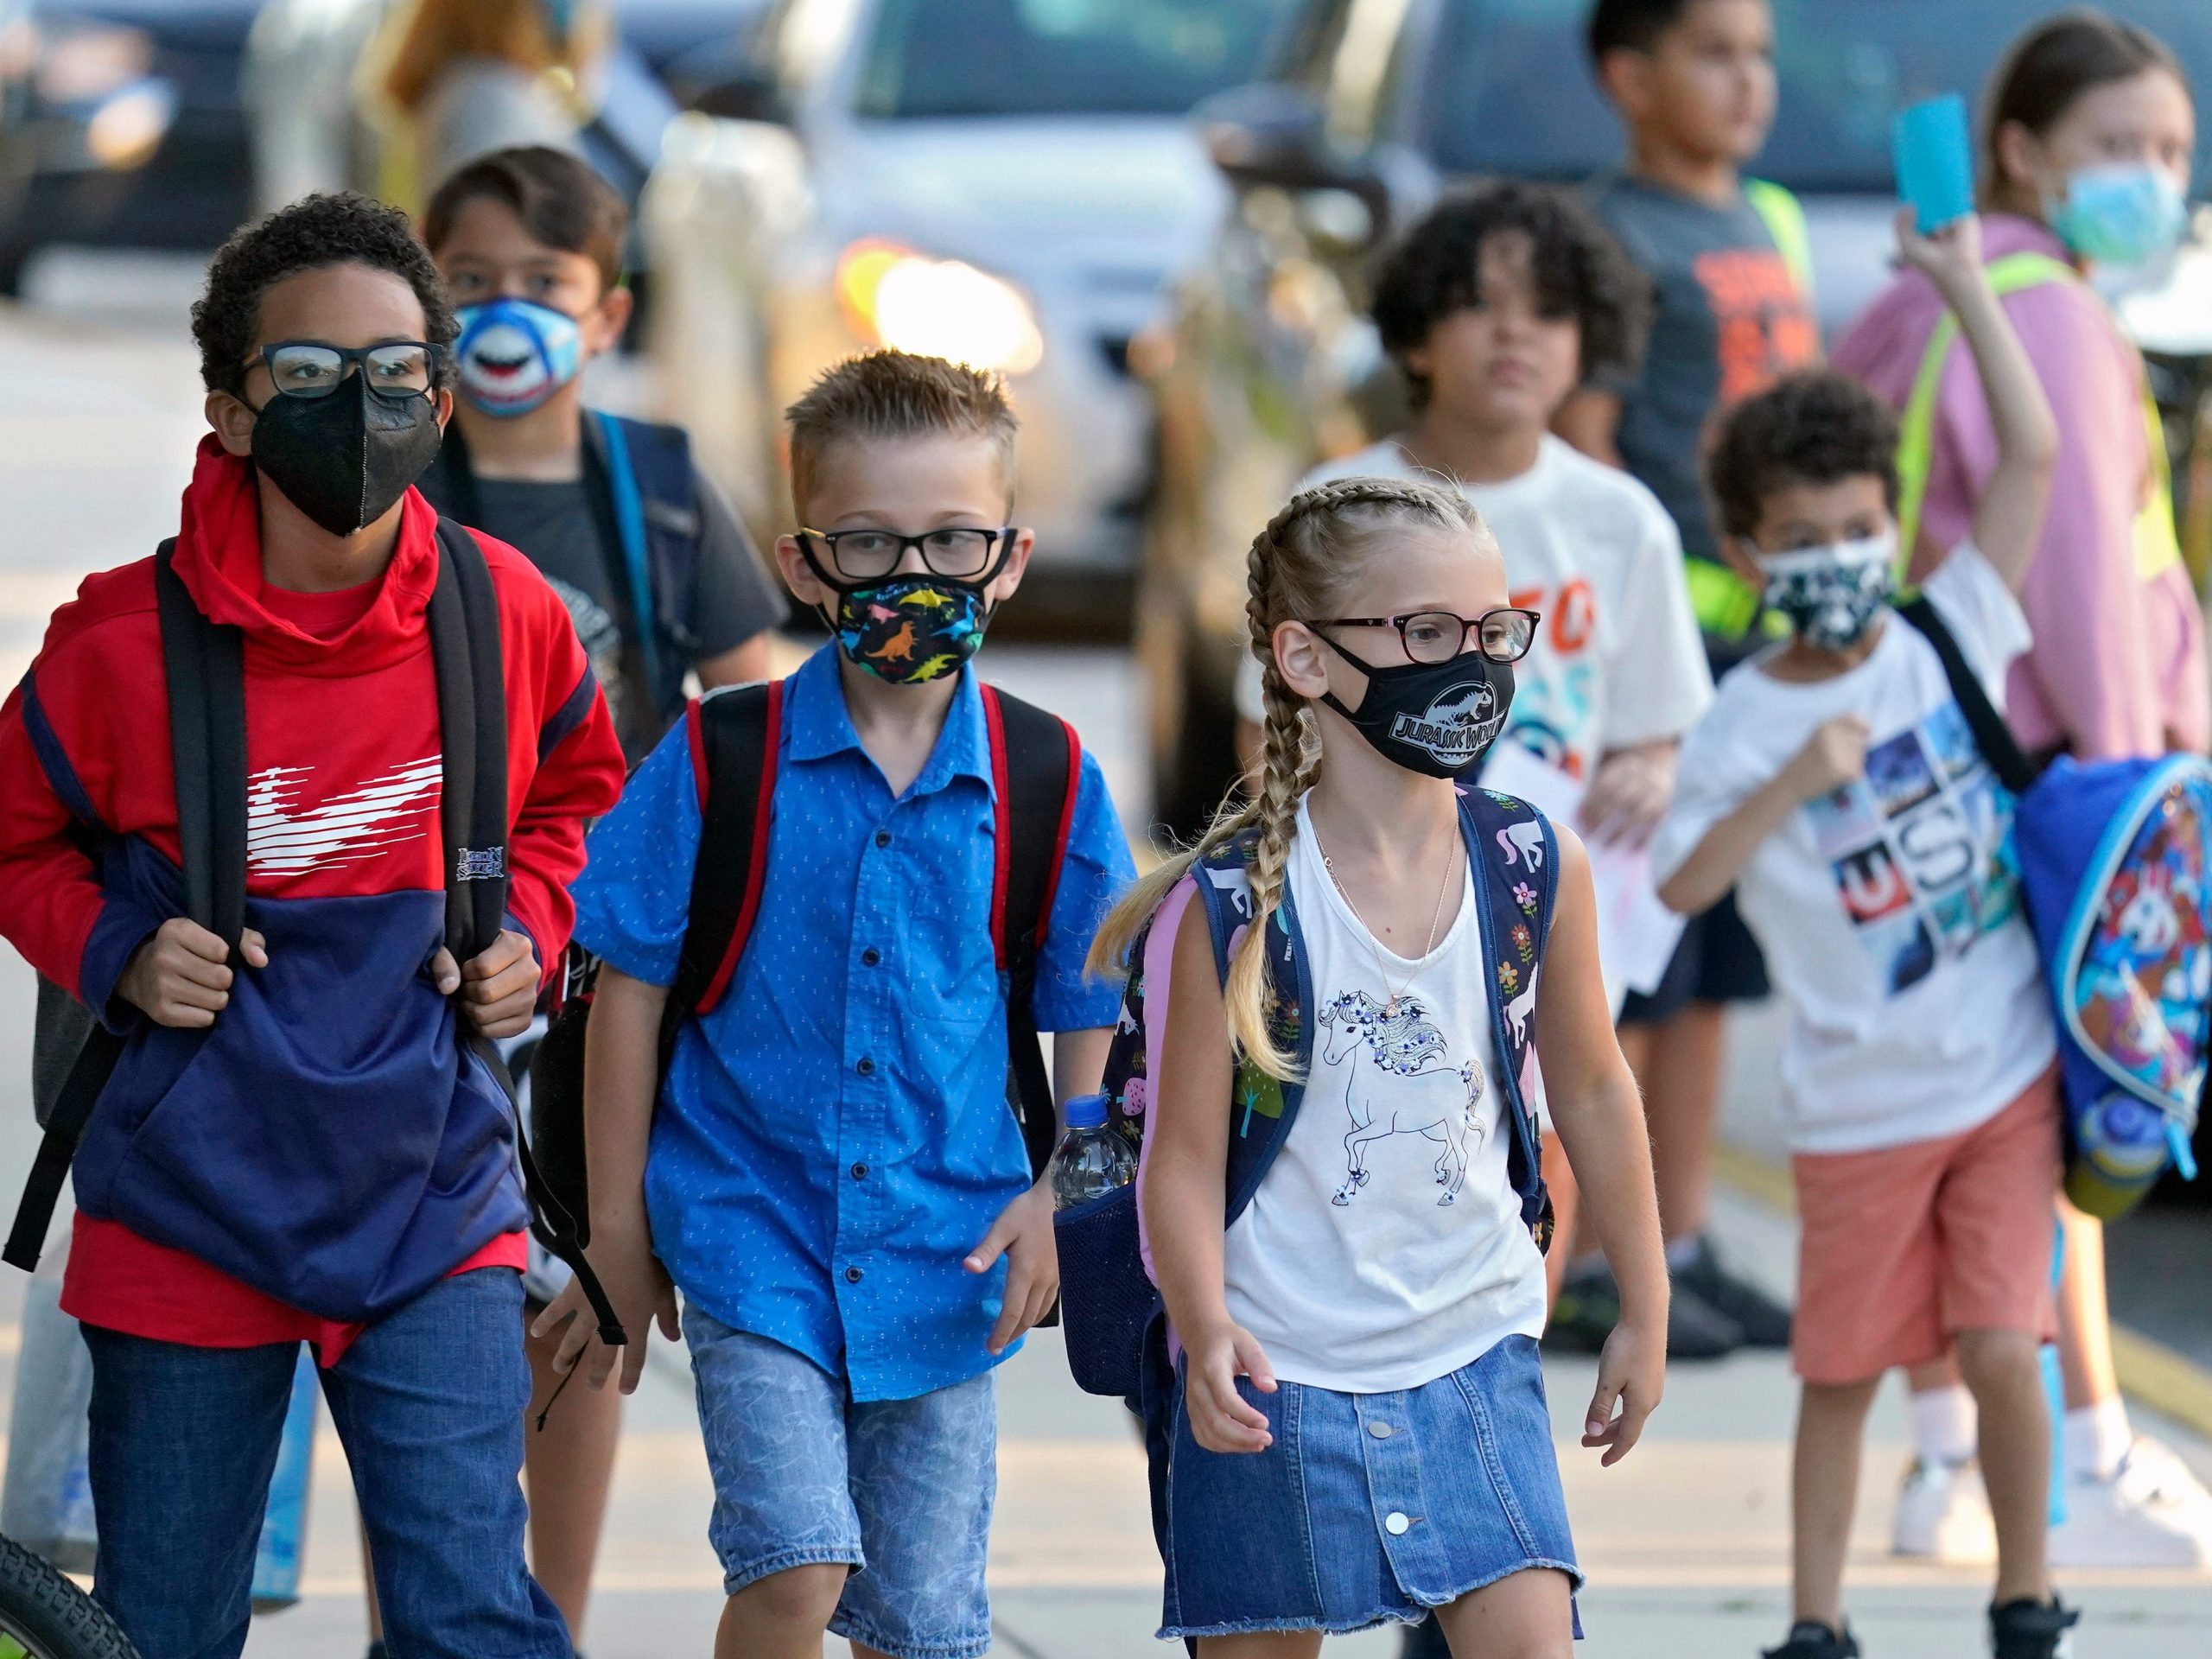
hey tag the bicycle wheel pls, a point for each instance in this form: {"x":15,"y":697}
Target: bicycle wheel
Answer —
{"x":43,"y":1615}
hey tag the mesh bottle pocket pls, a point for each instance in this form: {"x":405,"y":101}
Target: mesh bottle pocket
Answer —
{"x":1106,"y":1300}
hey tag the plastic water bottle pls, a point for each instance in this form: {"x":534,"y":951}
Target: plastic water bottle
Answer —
{"x":1092,"y":1158}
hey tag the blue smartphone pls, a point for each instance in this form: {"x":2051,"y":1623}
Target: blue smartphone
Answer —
{"x":1934,"y":160}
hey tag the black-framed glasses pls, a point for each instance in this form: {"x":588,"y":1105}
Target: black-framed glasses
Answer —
{"x":397,"y":369}
{"x":869,"y":554}
{"x":1503,"y":636}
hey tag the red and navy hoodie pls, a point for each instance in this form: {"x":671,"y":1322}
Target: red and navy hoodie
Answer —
{"x":323,"y":1148}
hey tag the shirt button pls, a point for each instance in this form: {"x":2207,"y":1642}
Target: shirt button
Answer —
{"x":860,"y":1171}
{"x":870,"y":957}
{"x":853,"y":1277}
{"x":866,"y":1068}
{"x":883,"y":837}
{"x":1395,"y":1523}
{"x":1381,"y":1431}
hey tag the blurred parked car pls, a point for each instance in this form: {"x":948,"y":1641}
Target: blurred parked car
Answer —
{"x":136,"y":136}
{"x":1373,"y":106}
{"x":1009,"y":182}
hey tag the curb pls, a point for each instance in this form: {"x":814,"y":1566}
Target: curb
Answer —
{"x":2169,"y":1383}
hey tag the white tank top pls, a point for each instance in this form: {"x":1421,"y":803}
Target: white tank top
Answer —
{"x":1384,"y":1247}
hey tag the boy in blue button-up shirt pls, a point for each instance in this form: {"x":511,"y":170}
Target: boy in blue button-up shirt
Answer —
{"x":833,"y":1176}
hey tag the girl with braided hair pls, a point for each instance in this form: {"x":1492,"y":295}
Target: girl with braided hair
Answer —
{"x":1361,"y":1435}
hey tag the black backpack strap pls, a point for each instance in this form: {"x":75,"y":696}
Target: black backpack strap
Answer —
{"x":734,"y":736}
{"x":1991,"y":735}
{"x":466,"y":658}
{"x":1036,"y":768}
{"x":203,"y":668}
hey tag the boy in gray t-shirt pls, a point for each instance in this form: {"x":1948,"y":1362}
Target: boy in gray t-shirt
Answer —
{"x":1693,"y":82}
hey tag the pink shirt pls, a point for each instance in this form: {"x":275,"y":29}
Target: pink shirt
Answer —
{"x":2118,"y":663}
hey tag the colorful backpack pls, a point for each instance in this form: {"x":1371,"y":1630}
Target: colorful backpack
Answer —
{"x":2115,"y":862}
{"x":1111,"y":1312}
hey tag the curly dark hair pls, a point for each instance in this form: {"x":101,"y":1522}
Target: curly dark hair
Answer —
{"x":314,"y":232}
{"x":1819,"y":427}
{"x":1434,"y":269}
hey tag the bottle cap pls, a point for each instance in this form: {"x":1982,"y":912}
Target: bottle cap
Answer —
{"x":1087,"y":1112}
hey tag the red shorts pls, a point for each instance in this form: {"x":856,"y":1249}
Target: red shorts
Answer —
{"x":1902,"y":1246}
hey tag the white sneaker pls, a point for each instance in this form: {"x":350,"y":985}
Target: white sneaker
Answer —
{"x":1943,"y":1514}
{"x":2152,"y":1512}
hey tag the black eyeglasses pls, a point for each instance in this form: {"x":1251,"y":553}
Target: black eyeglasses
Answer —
{"x":1503,"y":636}
{"x":868,"y":555}
{"x":397,"y":370}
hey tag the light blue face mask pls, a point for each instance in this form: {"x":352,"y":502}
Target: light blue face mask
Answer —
{"x":2122,"y":213}
{"x":513,"y":354}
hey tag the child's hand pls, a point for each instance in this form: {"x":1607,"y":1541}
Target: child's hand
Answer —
{"x":1628,"y":795}
{"x":639,"y":1287}
{"x":181,"y":976}
{"x":1951,"y":257}
{"x":1221,"y":1419}
{"x":1022,"y":1234}
{"x":1834,"y":755}
{"x":1631,"y":1373}
{"x":501,"y":984}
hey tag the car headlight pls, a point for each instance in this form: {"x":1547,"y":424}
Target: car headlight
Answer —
{"x":937,"y":307}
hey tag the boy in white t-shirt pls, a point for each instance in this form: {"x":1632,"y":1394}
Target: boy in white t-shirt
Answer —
{"x":1836,"y":784}
{"x":1497,"y":304}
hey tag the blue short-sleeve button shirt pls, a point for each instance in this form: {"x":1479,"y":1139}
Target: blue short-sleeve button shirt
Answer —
{"x":833,"y":1138}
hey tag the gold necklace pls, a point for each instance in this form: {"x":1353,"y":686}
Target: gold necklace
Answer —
{"x":1436,"y":915}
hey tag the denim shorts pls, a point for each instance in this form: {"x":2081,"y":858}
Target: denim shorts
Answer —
{"x":1368,"y":1508}
{"x":900,"y":1491}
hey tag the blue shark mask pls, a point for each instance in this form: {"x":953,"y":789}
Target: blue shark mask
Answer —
{"x":514,"y":354}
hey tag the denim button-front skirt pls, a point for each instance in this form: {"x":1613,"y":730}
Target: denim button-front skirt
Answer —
{"x":1368,"y":1508}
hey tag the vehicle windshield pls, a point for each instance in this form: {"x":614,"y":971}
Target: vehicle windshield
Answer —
{"x":1512,"y":90}
{"x":1060,"y":57}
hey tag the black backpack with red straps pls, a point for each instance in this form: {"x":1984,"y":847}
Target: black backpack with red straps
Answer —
{"x":1036,"y":767}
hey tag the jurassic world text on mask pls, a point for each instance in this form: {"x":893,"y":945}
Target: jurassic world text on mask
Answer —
{"x":1435,"y":718}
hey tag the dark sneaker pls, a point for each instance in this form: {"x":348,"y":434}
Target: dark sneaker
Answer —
{"x":2032,"y":1630}
{"x":1764,"y":1321}
{"x":1810,"y":1639}
{"x":1589,"y":1307}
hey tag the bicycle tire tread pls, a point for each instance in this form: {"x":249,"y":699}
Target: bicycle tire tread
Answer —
{"x":52,"y":1616}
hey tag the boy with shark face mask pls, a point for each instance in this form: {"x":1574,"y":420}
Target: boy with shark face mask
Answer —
{"x":655,"y":568}
{"x":1837,"y":785}
{"x":530,"y":241}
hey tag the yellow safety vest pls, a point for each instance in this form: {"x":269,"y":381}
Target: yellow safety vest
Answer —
{"x":2158,"y":547}
{"x":1724,"y":604}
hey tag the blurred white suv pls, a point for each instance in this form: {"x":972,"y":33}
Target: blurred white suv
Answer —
{"x":1011,"y":183}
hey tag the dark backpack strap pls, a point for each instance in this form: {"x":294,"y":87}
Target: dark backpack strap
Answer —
{"x":1991,"y":735}
{"x":1036,"y":770}
{"x":204,"y":670}
{"x":466,"y":652}
{"x":734,"y":736}
{"x":469,"y":664}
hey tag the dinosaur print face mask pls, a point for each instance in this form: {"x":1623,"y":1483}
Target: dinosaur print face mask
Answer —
{"x":911,"y":629}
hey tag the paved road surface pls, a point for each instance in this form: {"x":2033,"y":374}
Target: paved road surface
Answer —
{"x":1685,"y":1542}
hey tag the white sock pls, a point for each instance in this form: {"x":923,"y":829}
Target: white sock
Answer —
{"x":2097,"y":1437}
{"x":1944,"y":1423}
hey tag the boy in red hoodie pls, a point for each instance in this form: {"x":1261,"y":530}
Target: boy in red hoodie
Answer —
{"x":299,"y":1151}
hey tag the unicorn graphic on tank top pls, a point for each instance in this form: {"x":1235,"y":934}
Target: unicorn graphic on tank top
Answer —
{"x":1411,"y":1087}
